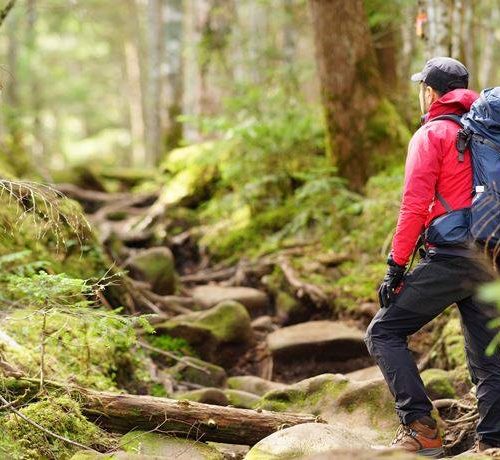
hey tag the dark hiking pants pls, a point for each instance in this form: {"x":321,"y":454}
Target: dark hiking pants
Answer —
{"x":437,"y":282}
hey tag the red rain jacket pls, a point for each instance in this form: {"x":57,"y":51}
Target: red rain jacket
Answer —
{"x":432,"y":165}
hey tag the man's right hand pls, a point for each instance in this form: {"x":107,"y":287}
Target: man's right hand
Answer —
{"x":393,"y":278}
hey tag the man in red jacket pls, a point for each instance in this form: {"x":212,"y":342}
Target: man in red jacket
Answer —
{"x":437,"y":181}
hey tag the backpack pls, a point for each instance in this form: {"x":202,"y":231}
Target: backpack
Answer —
{"x":480,"y":133}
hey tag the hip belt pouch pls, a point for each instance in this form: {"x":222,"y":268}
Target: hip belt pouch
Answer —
{"x":450,"y":229}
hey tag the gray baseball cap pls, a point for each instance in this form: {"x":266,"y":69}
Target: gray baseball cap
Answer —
{"x":443,"y":74}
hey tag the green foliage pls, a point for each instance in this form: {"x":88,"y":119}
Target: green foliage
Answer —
{"x":491,"y":293}
{"x":61,"y":415}
{"x":174,"y":344}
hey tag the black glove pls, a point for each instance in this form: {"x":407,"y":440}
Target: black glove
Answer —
{"x":394,"y":276}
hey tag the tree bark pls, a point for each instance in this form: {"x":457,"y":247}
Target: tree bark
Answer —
{"x":204,"y":422}
{"x":154,"y":86}
{"x":134,"y":86}
{"x":439,"y":28}
{"x":350,"y":83}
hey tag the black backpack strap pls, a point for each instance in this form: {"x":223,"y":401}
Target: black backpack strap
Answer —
{"x":464,"y":135}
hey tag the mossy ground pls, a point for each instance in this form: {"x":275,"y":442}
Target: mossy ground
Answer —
{"x":61,"y":415}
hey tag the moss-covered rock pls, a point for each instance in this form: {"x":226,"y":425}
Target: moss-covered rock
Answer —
{"x":304,"y":439}
{"x":156,"y":267}
{"x":200,"y":372}
{"x":61,"y":415}
{"x":438,"y":383}
{"x":167,"y":447}
{"x":205,"y":395}
{"x":454,"y":345}
{"x":243,"y":399}
{"x":253,"y":384}
{"x":215,"y":332}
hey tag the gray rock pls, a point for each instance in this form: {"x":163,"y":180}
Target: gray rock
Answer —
{"x":154,"y":266}
{"x":197,"y":371}
{"x":217,"y":333}
{"x":161,"y":446}
{"x":263,"y":323}
{"x":255,"y":301}
{"x":304,"y":439}
{"x":368,"y":373}
{"x":205,"y":395}
{"x":253,"y":384}
{"x":243,"y":399}
{"x":317,"y":346}
{"x":363,"y":454}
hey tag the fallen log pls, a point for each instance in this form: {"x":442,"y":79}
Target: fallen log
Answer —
{"x":121,"y":413}
{"x":204,"y":422}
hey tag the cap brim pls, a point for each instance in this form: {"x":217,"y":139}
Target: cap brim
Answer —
{"x":417,"y":76}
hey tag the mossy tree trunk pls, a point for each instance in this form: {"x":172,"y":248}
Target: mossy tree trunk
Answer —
{"x":352,"y":92}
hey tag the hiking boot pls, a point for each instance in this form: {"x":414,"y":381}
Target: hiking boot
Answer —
{"x":421,"y":437}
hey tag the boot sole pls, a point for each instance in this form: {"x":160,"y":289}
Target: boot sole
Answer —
{"x":437,"y":452}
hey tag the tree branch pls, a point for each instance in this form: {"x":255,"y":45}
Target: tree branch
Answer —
{"x":5,"y":12}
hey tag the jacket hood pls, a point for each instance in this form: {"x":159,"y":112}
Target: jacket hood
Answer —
{"x":484,"y":115}
{"x":458,"y":101}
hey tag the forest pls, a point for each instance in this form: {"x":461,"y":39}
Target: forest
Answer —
{"x":198,"y":198}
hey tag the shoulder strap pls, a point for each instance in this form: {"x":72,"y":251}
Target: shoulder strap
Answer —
{"x":444,"y":202}
{"x":464,"y":135}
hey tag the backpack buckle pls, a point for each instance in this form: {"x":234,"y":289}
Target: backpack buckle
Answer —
{"x":464,"y":137}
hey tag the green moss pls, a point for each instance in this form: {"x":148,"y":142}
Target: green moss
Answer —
{"x":438,"y":383}
{"x":454,"y":344}
{"x":61,"y":415}
{"x":175,"y":344}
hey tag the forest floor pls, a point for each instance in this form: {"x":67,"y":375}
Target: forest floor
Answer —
{"x":276,"y":333}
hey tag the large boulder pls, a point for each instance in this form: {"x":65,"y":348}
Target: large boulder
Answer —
{"x":242,"y":399}
{"x":317,"y":346}
{"x":255,"y":301}
{"x":304,"y":439}
{"x":253,"y":384}
{"x":363,"y":454}
{"x":161,"y":446}
{"x":154,"y":266}
{"x":219,"y":334}
{"x":368,"y":373}
{"x":367,"y":406}
{"x":194,"y":370}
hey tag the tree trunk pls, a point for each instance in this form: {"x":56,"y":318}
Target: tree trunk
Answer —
{"x":485,"y":75}
{"x":350,"y":84}
{"x":173,"y":75}
{"x":134,"y":85}
{"x":154,"y":86}
{"x":439,"y":28}
{"x":205,"y":422}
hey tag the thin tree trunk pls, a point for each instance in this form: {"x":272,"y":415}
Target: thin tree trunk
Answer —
{"x":173,"y":78}
{"x":6,"y":11}
{"x":439,"y":28}
{"x":134,"y":79}
{"x":350,"y":83}
{"x":457,"y":34}
{"x":154,"y":87}
{"x":486,"y":70}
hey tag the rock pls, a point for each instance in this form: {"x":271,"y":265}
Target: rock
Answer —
{"x":366,"y":407}
{"x":454,"y":346}
{"x":304,"y":439}
{"x":363,"y":454}
{"x":205,"y":395}
{"x":255,"y":301}
{"x":156,"y":267}
{"x":263,"y":323}
{"x":438,"y":383}
{"x":369,"y":309}
{"x":368,"y":373}
{"x":162,"y":446}
{"x":206,"y":374}
{"x":243,"y":399}
{"x":253,"y":384}
{"x":219,"y":334}
{"x":230,"y":451}
{"x":317,"y":346}
{"x":289,"y":310}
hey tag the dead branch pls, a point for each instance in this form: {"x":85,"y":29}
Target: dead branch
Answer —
{"x":5,"y":12}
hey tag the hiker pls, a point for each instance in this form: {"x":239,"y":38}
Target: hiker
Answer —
{"x":438,"y":181}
